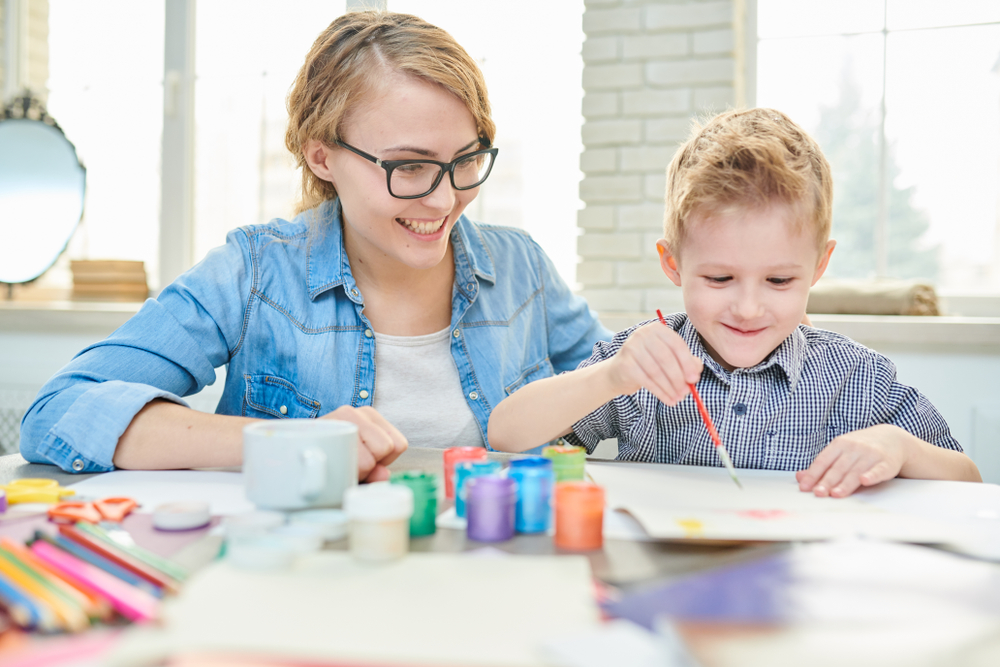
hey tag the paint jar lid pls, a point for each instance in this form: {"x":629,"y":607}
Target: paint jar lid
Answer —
{"x":416,"y":480}
{"x":478,"y":467}
{"x":331,"y":524}
{"x":492,"y":486}
{"x":560,"y":452}
{"x":260,"y":552}
{"x":531,"y":466}
{"x":252,"y":523}
{"x":378,"y":501}
{"x":302,"y":538}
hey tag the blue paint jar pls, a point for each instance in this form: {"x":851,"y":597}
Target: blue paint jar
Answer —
{"x":465,"y":470}
{"x":534,"y":477}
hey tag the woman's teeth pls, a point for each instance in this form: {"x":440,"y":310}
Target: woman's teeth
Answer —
{"x":421,"y":227}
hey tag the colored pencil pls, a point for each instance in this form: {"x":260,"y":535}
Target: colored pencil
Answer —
{"x":723,"y":454}
{"x":130,"y":602}
{"x":119,"y":557}
{"x":25,"y":610}
{"x":71,"y":617}
{"x":165,"y":566}
{"x":99,"y":561}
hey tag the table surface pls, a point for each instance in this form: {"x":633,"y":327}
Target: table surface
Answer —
{"x":621,"y":562}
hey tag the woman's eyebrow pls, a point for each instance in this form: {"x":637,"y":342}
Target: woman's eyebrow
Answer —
{"x":427,"y":153}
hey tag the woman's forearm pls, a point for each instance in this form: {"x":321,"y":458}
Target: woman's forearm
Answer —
{"x":547,"y":409}
{"x":165,"y":436}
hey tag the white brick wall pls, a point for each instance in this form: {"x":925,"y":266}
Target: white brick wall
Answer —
{"x":649,"y":67}
{"x":35,"y":50}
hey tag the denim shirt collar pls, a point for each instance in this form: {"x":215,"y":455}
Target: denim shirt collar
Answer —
{"x":789,"y":356}
{"x":329,"y":265}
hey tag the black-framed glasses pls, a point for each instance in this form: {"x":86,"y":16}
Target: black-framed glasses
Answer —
{"x":413,"y":179}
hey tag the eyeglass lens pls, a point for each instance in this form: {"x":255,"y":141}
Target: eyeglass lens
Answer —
{"x":419,"y":178}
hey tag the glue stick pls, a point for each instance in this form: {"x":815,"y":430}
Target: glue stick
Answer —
{"x":465,"y":470}
{"x":453,"y":456}
{"x":379,"y":515}
{"x":490,"y":508}
{"x":534,"y":478}
{"x":579,"y":516}
{"x":424,"y":487}
{"x":567,"y":461}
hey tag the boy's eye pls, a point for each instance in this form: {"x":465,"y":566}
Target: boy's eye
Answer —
{"x":718,"y":279}
{"x":779,"y":281}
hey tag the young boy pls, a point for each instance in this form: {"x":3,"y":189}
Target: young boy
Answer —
{"x":746,"y":234}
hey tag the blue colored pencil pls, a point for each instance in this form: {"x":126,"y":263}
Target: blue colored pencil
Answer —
{"x":23,"y":609}
{"x":97,"y":560}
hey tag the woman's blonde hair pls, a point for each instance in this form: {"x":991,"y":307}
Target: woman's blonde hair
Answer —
{"x":348,"y":62}
{"x":749,"y":157}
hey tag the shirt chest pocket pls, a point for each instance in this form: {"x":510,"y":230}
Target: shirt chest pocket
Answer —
{"x":539,"y":371}
{"x":268,"y":396}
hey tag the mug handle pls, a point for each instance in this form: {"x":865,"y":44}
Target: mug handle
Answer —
{"x":314,"y":478}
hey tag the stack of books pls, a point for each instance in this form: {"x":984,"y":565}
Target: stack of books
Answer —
{"x":109,"y":280}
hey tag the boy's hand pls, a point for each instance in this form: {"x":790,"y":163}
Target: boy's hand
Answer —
{"x":657,"y":358}
{"x":859,"y":458}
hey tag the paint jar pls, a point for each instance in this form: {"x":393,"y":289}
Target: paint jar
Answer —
{"x":534,"y":478}
{"x":379,"y":516}
{"x":330,"y":524}
{"x":452,"y":456}
{"x":567,"y":461}
{"x":490,"y":508}
{"x":579,"y":516}
{"x":424,"y":487}
{"x":465,"y":470}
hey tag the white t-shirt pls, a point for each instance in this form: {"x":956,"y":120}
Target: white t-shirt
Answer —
{"x":417,"y":389}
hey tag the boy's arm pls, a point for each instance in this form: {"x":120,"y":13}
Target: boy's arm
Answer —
{"x":654,"y":357}
{"x":877,"y":453}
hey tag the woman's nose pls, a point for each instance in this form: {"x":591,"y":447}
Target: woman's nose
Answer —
{"x":442,"y":198}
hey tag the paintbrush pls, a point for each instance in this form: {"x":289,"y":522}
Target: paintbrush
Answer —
{"x":723,"y":454}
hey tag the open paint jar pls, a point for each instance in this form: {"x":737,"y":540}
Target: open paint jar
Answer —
{"x":424,"y":487}
{"x":567,"y":461}
{"x":579,"y":516}
{"x":379,"y":516}
{"x":490,"y":501}
{"x":452,"y":456}
{"x":535,"y":479}
{"x":466,"y":470}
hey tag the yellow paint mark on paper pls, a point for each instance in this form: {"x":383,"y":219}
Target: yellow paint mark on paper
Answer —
{"x":691,"y":527}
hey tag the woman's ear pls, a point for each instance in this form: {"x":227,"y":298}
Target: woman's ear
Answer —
{"x":668,"y":262}
{"x":824,"y":260}
{"x":317,"y":155}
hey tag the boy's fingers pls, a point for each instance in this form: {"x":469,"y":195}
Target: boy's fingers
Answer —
{"x":847,"y":485}
{"x":835,"y":474}
{"x":809,"y":477}
{"x":879,"y":472}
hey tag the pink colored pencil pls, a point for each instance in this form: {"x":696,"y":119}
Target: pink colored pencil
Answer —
{"x":723,"y":454}
{"x":130,"y":602}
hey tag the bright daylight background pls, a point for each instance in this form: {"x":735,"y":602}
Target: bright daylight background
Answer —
{"x":821,"y":62}
{"x":107,"y":95}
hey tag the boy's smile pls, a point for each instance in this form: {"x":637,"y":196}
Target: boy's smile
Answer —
{"x":745,"y":274}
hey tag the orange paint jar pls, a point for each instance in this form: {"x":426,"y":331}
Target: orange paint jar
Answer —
{"x":579,"y":516}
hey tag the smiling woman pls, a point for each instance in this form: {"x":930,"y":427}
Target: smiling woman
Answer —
{"x":380,"y":303}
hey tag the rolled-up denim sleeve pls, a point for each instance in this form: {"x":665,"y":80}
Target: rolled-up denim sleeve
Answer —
{"x":168,"y":350}
{"x":573,"y":328}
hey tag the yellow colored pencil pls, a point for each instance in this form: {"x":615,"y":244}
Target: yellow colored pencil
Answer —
{"x":71,"y":616}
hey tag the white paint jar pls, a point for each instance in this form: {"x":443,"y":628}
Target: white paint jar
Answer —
{"x":379,"y":516}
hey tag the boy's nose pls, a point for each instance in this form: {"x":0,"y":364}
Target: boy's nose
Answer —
{"x":748,"y":306}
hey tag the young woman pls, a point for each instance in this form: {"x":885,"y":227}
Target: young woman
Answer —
{"x":379,"y":303}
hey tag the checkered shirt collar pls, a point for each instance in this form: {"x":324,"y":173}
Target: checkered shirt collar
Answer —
{"x":790,"y":356}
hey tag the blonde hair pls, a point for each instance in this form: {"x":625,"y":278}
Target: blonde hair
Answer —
{"x":752,"y":158}
{"x":348,"y":62}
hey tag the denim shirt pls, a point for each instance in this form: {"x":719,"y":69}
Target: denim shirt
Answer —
{"x":278,"y":305}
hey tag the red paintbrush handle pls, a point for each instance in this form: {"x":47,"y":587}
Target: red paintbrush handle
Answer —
{"x":705,"y":418}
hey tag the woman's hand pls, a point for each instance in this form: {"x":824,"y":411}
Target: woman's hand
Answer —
{"x":380,"y":444}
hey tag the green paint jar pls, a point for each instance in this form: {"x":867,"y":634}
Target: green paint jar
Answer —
{"x":567,"y":462}
{"x":424,"y":487}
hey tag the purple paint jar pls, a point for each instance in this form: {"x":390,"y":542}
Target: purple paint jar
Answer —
{"x":490,"y":508}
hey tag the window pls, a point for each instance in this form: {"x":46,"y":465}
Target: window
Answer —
{"x":904,"y":98}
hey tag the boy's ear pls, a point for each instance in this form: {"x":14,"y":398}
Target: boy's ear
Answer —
{"x":668,"y":262}
{"x":824,"y":260}
{"x":316,"y":154}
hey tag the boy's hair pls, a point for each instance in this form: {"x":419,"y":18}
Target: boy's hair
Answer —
{"x":349,"y":62}
{"x":749,"y":157}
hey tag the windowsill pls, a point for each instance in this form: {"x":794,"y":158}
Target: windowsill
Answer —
{"x":982,"y":333}
{"x":65,"y":316}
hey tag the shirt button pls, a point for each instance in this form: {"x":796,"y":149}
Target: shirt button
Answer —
{"x":354,"y":292}
{"x":740,"y":408}
{"x":368,"y":333}
{"x":283,"y":410}
{"x":473,"y":396}
{"x":455,"y":333}
{"x":472,"y":287}
{"x":78,"y":465}
{"x":363,"y":393}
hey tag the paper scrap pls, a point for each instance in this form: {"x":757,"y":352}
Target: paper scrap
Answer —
{"x":223,"y":491}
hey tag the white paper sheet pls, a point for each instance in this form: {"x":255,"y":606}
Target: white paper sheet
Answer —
{"x":426,"y":609}
{"x":677,"y":502}
{"x":223,"y":491}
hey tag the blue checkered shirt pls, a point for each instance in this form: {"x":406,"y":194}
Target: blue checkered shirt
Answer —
{"x":778,"y":415}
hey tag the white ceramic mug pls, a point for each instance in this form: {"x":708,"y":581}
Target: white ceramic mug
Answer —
{"x":297,"y":463}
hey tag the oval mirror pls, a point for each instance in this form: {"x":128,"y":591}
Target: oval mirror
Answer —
{"x":41,"y":191}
